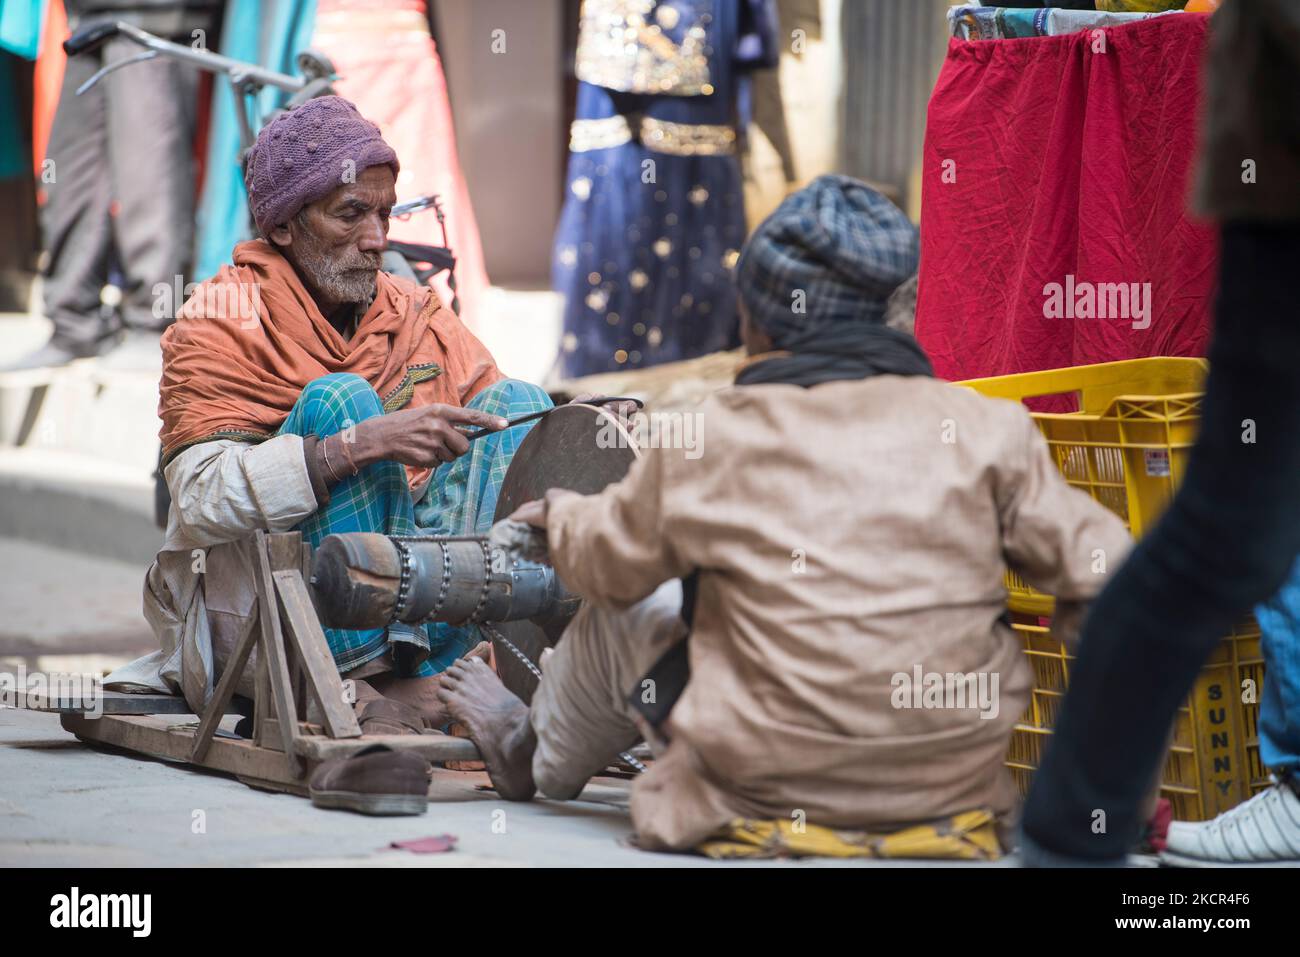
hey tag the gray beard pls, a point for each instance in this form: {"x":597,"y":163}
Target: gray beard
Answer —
{"x":339,"y":279}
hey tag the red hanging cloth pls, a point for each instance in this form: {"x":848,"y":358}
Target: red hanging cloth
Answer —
{"x":1064,"y":160}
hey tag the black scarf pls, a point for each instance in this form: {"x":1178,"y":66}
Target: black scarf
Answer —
{"x":851,"y":351}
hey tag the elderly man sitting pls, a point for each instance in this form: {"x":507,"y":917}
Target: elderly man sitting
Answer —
{"x":305,"y":389}
{"x":845,"y":533}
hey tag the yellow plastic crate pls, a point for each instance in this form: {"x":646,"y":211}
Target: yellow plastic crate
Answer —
{"x":1127,"y":446}
{"x":1213,"y":762}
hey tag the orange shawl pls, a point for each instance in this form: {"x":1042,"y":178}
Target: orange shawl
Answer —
{"x":249,"y":339}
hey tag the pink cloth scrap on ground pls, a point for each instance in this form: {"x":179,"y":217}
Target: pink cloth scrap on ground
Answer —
{"x":437,"y":844}
{"x":1064,"y":160}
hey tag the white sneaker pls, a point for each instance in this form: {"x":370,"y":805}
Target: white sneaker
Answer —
{"x":1262,"y":831}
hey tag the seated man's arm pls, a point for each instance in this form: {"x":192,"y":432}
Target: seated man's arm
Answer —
{"x":1058,"y":539}
{"x":223,"y":490}
{"x":615,"y":548}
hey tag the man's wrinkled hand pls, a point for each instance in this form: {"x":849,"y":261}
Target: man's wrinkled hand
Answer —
{"x":622,"y":409}
{"x":427,"y":436}
{"x":531,"y":513}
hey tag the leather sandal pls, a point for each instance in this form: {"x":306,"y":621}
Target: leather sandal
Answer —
{"x":376,"y":780}
{"x":386,"y":716}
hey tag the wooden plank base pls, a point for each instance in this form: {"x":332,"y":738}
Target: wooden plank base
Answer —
{"x":434,"y":748}
{"x":171,"y":740}
{"x":292,"y":654}
{"x":166,"y":738}
{"x":110,"y":702}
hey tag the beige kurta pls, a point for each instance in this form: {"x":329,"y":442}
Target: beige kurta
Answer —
{"x":199,"y":593}
{"x":845,"y":534}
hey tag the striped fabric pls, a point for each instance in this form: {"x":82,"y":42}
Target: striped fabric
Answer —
{"x":460,"y":499}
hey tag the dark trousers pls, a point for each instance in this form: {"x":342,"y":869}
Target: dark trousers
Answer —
{"x":122,"y":179}
{"x":1225,"y":544}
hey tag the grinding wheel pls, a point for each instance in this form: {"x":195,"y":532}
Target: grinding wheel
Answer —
{"x":563,"y":450}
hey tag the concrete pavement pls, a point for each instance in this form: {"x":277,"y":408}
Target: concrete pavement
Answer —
{"x":64,"y":804}
{"x":61,"y":604}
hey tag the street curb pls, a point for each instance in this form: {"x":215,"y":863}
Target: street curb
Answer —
{"x":110,"y":523}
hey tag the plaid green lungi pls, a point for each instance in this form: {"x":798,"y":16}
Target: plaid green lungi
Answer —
{"x":460,"y":499}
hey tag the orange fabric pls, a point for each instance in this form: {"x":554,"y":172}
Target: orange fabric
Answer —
{"x":47,"y":82}
{"x":202,"y":131}
{"x":389,"y":67}
{"x":249,"y":340}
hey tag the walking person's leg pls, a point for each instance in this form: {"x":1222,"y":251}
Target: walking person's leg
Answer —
{"x":1225,"y":544}
{"x":151,"y":110}
{"x":75,"y":217}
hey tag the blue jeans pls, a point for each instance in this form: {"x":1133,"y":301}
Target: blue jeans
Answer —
{"x":1279,"y":703}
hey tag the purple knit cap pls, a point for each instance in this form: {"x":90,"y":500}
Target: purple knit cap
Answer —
{"x":306,"y":153}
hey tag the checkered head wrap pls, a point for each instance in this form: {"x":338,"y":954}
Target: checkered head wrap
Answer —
{"x":841,"y":244}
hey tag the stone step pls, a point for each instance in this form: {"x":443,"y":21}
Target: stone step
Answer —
{"x":80,"y":502}
{"x":85,"y":408}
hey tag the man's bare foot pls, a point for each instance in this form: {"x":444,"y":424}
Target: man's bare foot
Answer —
{"x":497,"y":722}
{"x":420,"y":693}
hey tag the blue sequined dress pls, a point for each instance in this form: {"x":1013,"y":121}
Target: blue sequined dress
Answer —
{"x":654,"y":218}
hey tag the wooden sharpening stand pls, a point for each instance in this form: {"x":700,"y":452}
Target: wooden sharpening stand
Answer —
{"x":295,"y":675}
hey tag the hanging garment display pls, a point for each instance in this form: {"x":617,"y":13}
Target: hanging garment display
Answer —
{"x":654,"y":216}
{"x":1055,"y":228}
{"x":389,"y":67}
